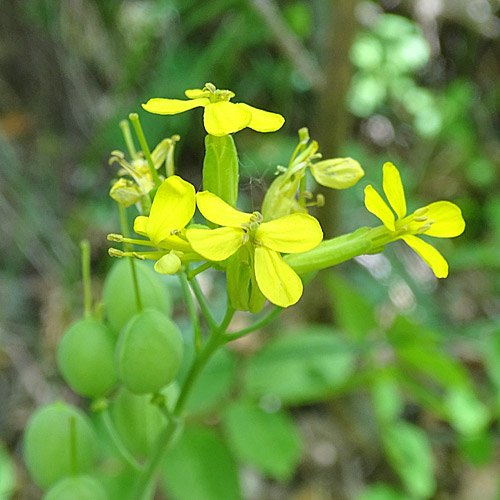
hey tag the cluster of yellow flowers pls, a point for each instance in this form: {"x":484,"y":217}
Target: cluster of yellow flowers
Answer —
{"x":285,"y":230}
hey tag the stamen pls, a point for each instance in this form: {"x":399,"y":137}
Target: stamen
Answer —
{"x":114,"y":252}
{"x":424,"y":228}
{"x":138,"y":256}
{"x":257,"y":243}
{"x":423,"y":218}
{"x":244,"y":238}
{"x":210,"y":87}
{"x":174,"y":232}
{"x":118,"y":238}
{"x":421,"y":211}
{"x":256,"y":217}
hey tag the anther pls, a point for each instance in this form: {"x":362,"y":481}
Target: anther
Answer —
{"x":256,"y":217}
{"x":114,"y":252}
{"x":210,"y":87}
{"x":174,"y":232}
{"x":244,"y":239}
{"x":424,"y":228}
{"x":421,"y":211}
{"x":138,"y":256}
{"x":423,"y":218}
{"x":118,"y":238}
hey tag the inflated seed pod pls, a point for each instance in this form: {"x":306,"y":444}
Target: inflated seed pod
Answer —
{"x":137,"y":421}
{"x":59,"y":440}
{"x":86,"y":358}
{"x":119,"y":292}
{"x":149,"y":352}
{"x":77,"y":488}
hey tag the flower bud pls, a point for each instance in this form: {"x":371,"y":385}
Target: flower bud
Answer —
{"x":337,"y":173}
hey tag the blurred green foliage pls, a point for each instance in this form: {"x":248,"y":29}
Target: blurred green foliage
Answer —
{"x":414,"y":363}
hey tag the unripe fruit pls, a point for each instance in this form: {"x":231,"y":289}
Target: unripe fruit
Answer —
{"x":77,"y":488}
{"x":149,"y":352}
{"x":119,"y":292}
{"x":86,"y":358}
{"x":58,"y":441}
{"x":137,"y":421}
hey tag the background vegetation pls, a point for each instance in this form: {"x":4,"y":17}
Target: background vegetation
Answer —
{"x":406,"y":403}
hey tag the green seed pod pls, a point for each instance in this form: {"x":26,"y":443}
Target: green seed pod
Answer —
{"x":86,"y":358}
{"x":149,"y":352}
{"x":58,"y":441}
{"x":77,"y":488}
{"x":119,"y":292}
{"x":137,"y":421}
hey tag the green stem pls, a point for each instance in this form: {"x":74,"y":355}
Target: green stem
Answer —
{"x":214,"y":341}
{"x":198,"y":270}
{"x":127,"y":136}
{"x":128,"y":247}
{"x":134,"y":118}
{"x":120,"y":447}
{"x":87,"y":283}
{"x":203,"y":304}
{"x":302,"y":188}
{"x":192,"y":310}
{"x":264,"y":321}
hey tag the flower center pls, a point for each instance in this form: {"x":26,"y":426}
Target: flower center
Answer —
{"x":251,"y":227}
{"x":416,"y":223}
{"x":217,"y":95}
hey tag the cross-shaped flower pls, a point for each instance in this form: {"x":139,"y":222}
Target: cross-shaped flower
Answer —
{"x":266,"y":240}
{"x":221,"y":117}
{"x":441,"y":219}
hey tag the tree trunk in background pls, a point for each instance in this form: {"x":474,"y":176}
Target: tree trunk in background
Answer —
{"x":333,"y":121}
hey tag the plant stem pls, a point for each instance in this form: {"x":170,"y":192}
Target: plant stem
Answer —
{"x":87,"y":283}
{"x":192,"y":310}
{"x":214,"y":341}
{"x":198,"y":270}
{"x":265,"y":320}
{"x":203,"y":304}
{"x":128,"y":247}
{"x":125,"y":454}
{"x":127,"y":136}
{"x":134,"y":118}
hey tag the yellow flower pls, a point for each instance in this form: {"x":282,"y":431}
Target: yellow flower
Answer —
{"x":173,"y":207}
{"x":221,"y":117}
{"x":291,"y":234}
{"x":441,"y":219}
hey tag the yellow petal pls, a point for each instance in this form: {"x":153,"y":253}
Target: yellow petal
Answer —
{"x":197,"y":93}
{"x":263,"y":121}
{"x":393,"y":189}
{"x":429,"y":254}
{"x":337,"y":173}
{"x":173,"y":207}
{"x":448,"y":220}
{"x":141,"y":225}
{"x":168,"y":264}
{"x":172,"y":106}
{"x":215,"y":244}
{"x":224,"y":118}
{"x":377,"y":206}
{"x":276,"y":279}
{"x":290,"y":234}
{"x":218,"y":211}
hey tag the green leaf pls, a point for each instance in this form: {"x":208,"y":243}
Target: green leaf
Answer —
{"x":478,"y":449}
{"x":214,"y":383}
{"x":381,"y":491}
{"x":200,"y":467}
{"x":302,"y":367}
{"x":353,"y":313}
{"x":269,"y":441}
{"x":220,"y":168}
{"x":7,"y":475}
{"x":410,"y":454}
{"x":466,"y":413}
{"x":387,"y":400}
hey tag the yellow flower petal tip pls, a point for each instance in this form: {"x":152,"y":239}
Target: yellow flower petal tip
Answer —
{"x":221,"y":117}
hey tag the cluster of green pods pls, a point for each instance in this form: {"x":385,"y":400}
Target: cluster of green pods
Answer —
{"x":134,"y":353}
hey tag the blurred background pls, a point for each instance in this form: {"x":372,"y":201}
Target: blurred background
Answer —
{"x":412,"y":82}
